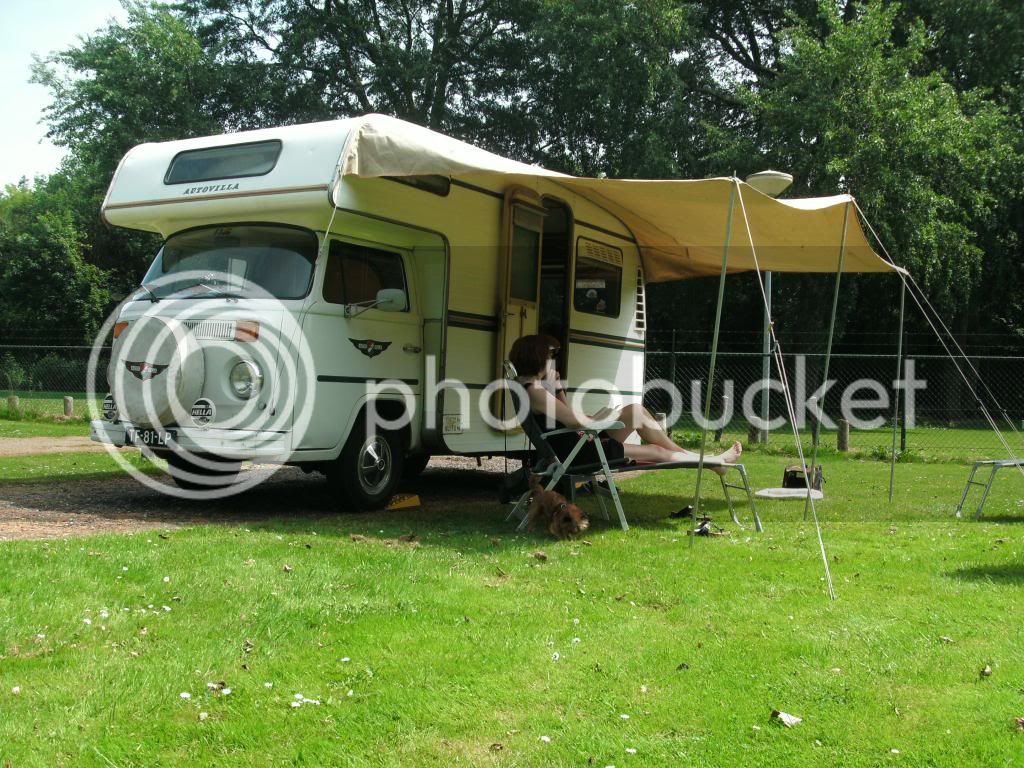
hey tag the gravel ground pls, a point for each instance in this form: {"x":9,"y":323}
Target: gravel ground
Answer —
{"x":59,"y":508}
{"x":32,"y":446}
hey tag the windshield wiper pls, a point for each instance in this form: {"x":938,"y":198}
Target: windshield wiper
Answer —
{"x":218,"y":293}
{"x":152,"y":296}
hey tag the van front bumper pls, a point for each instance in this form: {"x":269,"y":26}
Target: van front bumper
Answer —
{"x":240,"y":444}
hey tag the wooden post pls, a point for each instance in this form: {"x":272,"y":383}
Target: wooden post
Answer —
{"x":843,"y":436}
{"x":725,"y":410}
{"x":755,"y":435}
{"x":69,"y":406}
{"x":12,"y":403}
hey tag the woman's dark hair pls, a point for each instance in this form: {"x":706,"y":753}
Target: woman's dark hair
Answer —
{"x":529,"y":354}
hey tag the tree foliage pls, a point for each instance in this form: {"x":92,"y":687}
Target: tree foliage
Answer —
{"x":46,"y":286}
{"x":913,"y":107}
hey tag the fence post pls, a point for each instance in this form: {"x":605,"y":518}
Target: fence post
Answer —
{"x":843,"y":436}
{"x":13,"y":403}
{"x":672,"y":360}
{"x":662,"y":419}
{"x":755,"y":435}
{"x":69,"y":406}
{"x":725,"y":410}
{"x":903,"y":422}
{"x":812,"y":425}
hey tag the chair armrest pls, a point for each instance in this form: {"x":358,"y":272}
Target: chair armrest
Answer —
{"x":591,"y":430}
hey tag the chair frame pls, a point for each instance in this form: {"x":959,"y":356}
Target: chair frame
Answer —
{"x":550,"y":466}
{"x":995,"y":465}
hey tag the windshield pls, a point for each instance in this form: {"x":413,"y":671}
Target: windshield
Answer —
{"x":219,"y":261}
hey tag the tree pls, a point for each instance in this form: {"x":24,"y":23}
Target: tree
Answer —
{"x":47,"y":289}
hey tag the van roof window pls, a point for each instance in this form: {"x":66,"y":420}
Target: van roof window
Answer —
{"x":234,"y":161}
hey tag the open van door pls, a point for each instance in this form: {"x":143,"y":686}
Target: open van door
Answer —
{"x":522,"y":234}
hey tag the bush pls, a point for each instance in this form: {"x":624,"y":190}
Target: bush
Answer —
{"x":53,"y":372}
{"x":11,"y":372}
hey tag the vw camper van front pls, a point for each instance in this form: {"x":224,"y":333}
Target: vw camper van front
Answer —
{"x":205,"y":353}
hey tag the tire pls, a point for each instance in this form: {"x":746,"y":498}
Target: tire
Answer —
{"x":191,"y":476}
{"x":369,"y":468}
{"x":414,"y":465}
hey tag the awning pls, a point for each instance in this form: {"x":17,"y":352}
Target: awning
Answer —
{"x":679,"y":225}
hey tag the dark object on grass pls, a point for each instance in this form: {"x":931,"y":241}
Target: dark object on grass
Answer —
{"x":795,"y":476}
{"x":685,"y":512}
{"x":706,"y":527}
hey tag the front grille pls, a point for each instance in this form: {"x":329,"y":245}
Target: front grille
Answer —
{"x":212,"y":329}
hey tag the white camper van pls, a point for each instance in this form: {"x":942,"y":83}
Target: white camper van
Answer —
{"x":293,"y":283}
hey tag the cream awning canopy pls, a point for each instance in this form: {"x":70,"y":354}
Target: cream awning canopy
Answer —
{"x":679,"y":225}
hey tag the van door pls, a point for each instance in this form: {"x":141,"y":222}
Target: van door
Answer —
{"x":370,"y":344}
{"x":523,"y":232}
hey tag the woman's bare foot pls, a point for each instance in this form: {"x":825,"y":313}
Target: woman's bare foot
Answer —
{"x":730,"y":456}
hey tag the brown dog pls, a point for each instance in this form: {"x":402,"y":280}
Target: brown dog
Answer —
{"x":562,"y":518}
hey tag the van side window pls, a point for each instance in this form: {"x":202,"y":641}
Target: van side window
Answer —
{"x":355,"y":273}
{"x":597,"y":288}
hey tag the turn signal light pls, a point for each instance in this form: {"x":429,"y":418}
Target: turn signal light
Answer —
{"x":247,"y":330}
{"x":119,"y":327}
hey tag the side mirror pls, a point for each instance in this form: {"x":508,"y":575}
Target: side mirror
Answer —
{"x":391,"y":300}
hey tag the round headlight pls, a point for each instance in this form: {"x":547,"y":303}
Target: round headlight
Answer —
{"x":246,"y":379}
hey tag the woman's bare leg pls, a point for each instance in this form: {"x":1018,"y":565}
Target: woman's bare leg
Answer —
{"x":660,"y":447}
{"x":638,"y":419}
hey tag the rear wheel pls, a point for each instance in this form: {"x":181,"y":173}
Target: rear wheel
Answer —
{"x":369,"y":468}
{"x":214,"y":473}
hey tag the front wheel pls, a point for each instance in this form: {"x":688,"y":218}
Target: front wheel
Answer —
{"x":369,"y":468}
{"x":207,"y":473}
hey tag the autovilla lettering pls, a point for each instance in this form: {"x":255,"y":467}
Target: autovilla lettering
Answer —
{"x":210,"y":188}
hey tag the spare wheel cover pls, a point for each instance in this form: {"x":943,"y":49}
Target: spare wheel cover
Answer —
{"x":159,"y":370}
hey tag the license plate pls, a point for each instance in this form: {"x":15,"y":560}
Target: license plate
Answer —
{"x":151,"y":437}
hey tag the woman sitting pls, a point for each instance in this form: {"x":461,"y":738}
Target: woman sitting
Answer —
{"x":534,"y":359}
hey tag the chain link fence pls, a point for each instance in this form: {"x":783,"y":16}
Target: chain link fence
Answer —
{"x":36,"y":379}
{"x":939,"y":417}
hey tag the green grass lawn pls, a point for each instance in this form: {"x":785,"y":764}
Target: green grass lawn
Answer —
{"x":67,"y":466}
{"x":46,"y":405}
{"x":924,"y":443}
{"x":9,"y":428}
{"x":466,"y":649}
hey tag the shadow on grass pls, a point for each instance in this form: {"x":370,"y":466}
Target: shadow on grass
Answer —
{"x":460,"y":508}
{"x":1011,"y":574}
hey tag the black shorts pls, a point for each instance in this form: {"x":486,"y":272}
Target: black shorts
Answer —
{"x":564,"y":443}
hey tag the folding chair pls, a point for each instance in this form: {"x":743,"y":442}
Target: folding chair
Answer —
{"x":550,"y":467}
{"x":995,"y":465}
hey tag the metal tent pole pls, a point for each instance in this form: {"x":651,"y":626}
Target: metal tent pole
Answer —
{"x":766,"y":359}
{"x":899,"y":388}
{"x":788,"y":399}
{"x":714,"y":352}
{"x":816,"y":435}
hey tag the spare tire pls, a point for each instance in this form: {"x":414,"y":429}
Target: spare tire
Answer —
{"x":157,"y":371}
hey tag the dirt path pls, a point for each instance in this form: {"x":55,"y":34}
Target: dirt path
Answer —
{"x":63,"y":508}
{"x":34,"y":446}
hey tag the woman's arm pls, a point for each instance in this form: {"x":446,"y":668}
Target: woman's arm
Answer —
{"x":545,"y":404}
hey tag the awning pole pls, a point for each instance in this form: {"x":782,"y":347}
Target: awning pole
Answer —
{"x":816,"y":434}
{"x":788,"y":397}
{"x":714,"y":354}
{"x":899,"y":388}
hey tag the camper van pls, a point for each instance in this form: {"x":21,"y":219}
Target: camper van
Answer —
{"x":296,"y":291}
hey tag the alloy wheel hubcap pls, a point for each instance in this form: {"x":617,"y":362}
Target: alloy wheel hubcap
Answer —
{"x":374,"y":465}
